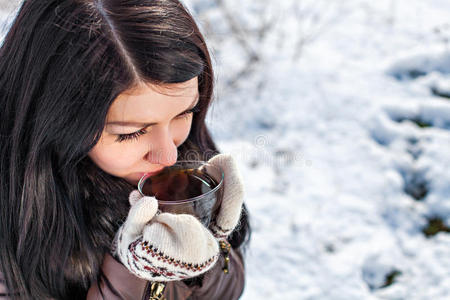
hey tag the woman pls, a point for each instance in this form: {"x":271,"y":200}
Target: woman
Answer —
{"x":94,"y":93}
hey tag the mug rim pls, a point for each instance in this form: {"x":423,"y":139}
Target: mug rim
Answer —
{"x":174,"y":202}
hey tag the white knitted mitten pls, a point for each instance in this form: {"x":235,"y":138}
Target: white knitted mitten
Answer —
{"x":233,"y":197}
{"x":163,"y":247}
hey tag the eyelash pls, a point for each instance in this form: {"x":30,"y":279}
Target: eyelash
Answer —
{"x":137,"y":134}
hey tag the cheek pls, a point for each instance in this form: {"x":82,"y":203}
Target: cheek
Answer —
{"x":180,"y":131}
{"x":113,"y":157}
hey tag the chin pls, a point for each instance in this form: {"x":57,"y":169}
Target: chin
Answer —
{"x":132,"y":181}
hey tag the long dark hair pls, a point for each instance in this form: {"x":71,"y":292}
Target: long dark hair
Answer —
{"x":63,"y":62}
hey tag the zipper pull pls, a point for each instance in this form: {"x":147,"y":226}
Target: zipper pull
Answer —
{"x":225,"y":247}
{"x":157,"y":290}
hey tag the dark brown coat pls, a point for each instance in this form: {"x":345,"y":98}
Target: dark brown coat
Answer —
{"x":215,"y":283}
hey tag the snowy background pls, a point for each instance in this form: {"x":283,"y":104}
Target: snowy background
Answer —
{"x":338,"y":112}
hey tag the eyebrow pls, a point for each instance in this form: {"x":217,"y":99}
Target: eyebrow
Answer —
{"x":140,"y":124}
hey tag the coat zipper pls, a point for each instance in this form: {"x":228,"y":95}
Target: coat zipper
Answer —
{"x":154,"y":291}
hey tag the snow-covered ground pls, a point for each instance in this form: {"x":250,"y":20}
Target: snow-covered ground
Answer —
{"x":330,"y":144}
{"x":343,"y":141}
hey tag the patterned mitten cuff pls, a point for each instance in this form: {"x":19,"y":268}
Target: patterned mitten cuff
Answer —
{"x":164,"y":247}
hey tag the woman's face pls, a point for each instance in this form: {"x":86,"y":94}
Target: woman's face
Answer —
{"x":144,"y":127}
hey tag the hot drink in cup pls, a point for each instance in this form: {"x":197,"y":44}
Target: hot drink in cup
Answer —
{"x":188,"y":187}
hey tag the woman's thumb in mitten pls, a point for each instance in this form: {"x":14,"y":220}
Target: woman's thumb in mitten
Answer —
{"x":143,"y":209}
{"x":134,"y":197}
{"x":233,"y":192}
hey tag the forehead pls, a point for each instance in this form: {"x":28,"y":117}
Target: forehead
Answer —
{"x":148,"y":102}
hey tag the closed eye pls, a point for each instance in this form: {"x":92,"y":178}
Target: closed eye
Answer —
{"x":137,"y":134}
{"x":131,"y":136}
{"x":189,"y":112}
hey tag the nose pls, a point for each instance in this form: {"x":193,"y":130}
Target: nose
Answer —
{"x":162,"y":149}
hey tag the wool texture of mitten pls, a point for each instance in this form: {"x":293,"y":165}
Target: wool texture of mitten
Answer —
{"x":233,"y":196}
{"x":163,"y":246}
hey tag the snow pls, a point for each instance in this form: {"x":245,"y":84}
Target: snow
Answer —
{"x":329,"y":142}
{"x":325,"y":129}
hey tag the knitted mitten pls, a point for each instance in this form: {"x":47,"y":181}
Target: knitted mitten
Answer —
{"x":233,"y":196}
{"x":163,"y":247}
